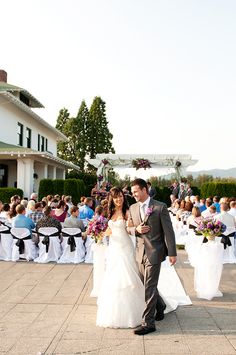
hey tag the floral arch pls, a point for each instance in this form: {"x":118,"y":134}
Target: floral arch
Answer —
{"x":104,"y":162}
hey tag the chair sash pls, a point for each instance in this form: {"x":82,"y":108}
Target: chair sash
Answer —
{"x":46,"y":239}
{"x":20,"y":240}
{"x":71,"y":239}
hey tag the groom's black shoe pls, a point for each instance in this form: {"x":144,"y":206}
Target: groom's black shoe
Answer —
{"x":160,"y":313}
{"x":143,"y":329}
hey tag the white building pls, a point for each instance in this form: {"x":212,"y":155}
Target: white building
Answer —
{"x":28,"y":144}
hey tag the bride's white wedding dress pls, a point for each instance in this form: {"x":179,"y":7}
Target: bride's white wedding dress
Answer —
{"x":121,"y":293}
{"x":121,"y":296}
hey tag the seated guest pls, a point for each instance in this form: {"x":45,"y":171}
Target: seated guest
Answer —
{"x":5,"y":210}
{"x":180,"y":210}
{"x":187,"y":211}
{"x":12,"y":212}
{"x":226,"y":218}
{"x":202,"y":205}
{"x":38,"y":212}
{"x":60,"y":212}
{"x":195,"y":219}
{"x":68,"y":201}
{"x":30,"y":207}
{"x":73,"y":221}
{"x":85,"y":211}
{"x":15,"y":200}
{"x":34,"y":197}
{"x":216,"y":203}
{"x":232,"y":210}
{"x":21,"y":221}
{"x":206,"y":213}
{"x":48,"y":220}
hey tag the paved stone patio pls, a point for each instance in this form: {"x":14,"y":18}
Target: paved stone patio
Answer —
{"x":47,"y":309}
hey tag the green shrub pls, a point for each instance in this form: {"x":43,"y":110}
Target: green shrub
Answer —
{"x":7,"y":192}
{"x":221,"y":189}
{"x":71,"y":188}
{"x":58,"y":187}
{"x":45,"y":188}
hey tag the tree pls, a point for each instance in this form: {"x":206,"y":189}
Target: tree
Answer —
{"x":62,"y":126}
{"x":79,"y":128}
{"x":99,"y":138}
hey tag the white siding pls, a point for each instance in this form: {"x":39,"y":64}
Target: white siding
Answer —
{"x":9,"y":118}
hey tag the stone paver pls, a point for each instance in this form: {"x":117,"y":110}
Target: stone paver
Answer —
{"x":47,"y":309}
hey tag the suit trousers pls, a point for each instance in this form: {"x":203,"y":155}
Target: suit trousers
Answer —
{"x":149,"y":274}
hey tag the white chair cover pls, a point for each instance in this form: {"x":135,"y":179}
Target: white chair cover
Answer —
{"x":54,"y":247}
{"x":6,"y":241}
{"x":208,"y":270}
{"x":78,"y":254}
{"x":30,"y":252}
{"x":88,"y":250}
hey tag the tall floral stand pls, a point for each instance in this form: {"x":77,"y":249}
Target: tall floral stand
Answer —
{"x":208,"y":269}
{"x":99,"y":257}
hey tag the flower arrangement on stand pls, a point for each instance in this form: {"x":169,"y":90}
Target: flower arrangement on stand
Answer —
{"x":96,"y":228}
{"x":210,"y":228}
{"x":105,"y":161}
{"x":100,"y":178}
{"x":141,"y":163}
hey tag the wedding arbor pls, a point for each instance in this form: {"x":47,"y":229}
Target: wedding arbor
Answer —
{"x":173,"y":162}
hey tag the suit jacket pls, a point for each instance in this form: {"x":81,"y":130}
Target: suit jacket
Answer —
{"x":160,"y":241}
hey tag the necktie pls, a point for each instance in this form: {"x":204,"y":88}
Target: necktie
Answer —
{"x":142,"y":211}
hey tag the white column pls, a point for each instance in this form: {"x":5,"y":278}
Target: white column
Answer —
{"x":54,"y":172}
{"x":25,"y":170}
{"x":45,"y":174}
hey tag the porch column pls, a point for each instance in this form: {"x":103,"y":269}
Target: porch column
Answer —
{"x":54,"y":172}
{"x":45,"y":173}
{"x":25,"y":170}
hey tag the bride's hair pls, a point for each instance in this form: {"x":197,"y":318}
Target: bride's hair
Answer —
{"x":114,"y":192}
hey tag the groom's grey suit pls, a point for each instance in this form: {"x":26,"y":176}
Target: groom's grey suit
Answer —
{"x":151,"y":249}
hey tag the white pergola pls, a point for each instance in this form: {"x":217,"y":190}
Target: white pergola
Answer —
{"x":177,"y":162}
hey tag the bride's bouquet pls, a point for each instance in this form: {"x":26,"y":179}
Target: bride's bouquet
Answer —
{"x":96,"y":227}
{"x":210,"y":228}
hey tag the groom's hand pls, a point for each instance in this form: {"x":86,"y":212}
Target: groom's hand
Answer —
{"x":142,"y":229}
{"x":172,"y":260}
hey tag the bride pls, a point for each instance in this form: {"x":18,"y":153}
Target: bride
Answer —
{"x":121,"y":297}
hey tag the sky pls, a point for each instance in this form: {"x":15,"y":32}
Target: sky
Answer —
{"x":165,"y":68}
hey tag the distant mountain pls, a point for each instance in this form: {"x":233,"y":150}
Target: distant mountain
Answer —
{"x":223,"y":173}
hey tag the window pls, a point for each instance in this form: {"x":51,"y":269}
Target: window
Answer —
{"x":42,"y":143}
{"x":39,"y":142}
{"x":20,"y":134}
{"x":28,"y":137}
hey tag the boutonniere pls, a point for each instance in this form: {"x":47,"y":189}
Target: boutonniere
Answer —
{"x":148,"y":214}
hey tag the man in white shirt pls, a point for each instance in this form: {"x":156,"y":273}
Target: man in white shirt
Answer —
{"x":232,"y":210}
{"x":226,"y":218}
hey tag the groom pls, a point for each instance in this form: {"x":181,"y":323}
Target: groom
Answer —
{"x":155,"y":239}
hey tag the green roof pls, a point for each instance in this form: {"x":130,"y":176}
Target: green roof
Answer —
{"x":12,"y":147}
{"x":33,"y":102}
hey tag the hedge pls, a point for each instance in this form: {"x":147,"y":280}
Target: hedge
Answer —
{"x":45,"y":188}
{"x":72,"y":187}
{"x":58,"y":187}
{"x":7,"y":192}
{"x":75,"y":188}
{"x":221,"y":189}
